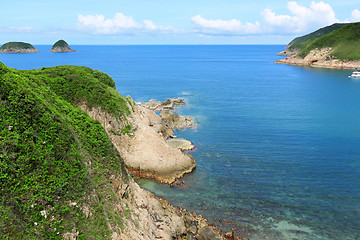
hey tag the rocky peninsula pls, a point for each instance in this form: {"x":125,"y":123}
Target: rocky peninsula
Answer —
{"x":63,"y":157}
{"x":17,"y":47}
{"x":61,"y":47}
{"x":144,"y":149}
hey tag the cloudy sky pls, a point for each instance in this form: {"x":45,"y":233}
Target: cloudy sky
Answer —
{"x":169,"y":21}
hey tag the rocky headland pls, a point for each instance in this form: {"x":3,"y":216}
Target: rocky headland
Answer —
{"x":288,"y":52}
{"x":144,"y":148}
{"x":61,"y":47}
{"x":18,"y":47}
{"x":63,"y":157}
{"x":320,"y":58}
{"x":334,"y":46}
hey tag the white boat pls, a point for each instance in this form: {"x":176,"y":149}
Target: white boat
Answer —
{"x":355,"y":74}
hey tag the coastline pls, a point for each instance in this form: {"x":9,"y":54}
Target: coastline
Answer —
{"x":14,"y":50}
{"x":320,"y":58}
{"x":155,"y":216}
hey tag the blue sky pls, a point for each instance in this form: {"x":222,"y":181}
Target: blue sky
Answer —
{"x":169,"y":21}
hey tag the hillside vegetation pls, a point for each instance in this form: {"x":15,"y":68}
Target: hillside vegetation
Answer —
{"x":17,"y":45}
{"x":54,"y":159}
{"x":61,"y":46}
{"x":301,"y":42}
{"x":60,"y":43}
{"x":345,"y":41}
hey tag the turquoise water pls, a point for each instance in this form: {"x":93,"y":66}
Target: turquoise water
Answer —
{"x":278,"y":147}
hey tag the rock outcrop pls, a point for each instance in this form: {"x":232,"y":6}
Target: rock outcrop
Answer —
{"x":62,"y":47}
{"x":144,"y":149}
{"x":288,"y":52}
{"x":320,"y":58}
{"x":149,"y":217}
{"x":169,"y":104}
{"x":174,"y":120}
{"x":17,"y":47}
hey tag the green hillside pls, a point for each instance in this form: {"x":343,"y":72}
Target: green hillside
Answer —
{"x":303,"y":41}
{"x":17,"y":45}
{"x":345,"y":40}
{"x":52,"y":153}
{"x":61,"y":44}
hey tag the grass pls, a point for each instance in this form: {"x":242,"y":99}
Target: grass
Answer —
{"x":303,"y":41}
{"x":52,"y":153}
{"x":345,"y":41}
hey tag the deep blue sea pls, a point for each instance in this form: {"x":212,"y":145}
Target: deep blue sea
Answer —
{"x":278,"y":147}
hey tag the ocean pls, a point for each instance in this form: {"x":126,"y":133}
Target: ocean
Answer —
{"x":277,"y":146}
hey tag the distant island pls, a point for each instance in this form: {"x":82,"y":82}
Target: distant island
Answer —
{"x":17,"y":47}
{"x":61,"y":46}
{"x":335,"y":46}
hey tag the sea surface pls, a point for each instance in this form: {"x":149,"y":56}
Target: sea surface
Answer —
{"x":277,"y":146}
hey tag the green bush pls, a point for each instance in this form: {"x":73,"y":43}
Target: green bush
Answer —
{"x":51,"y":152}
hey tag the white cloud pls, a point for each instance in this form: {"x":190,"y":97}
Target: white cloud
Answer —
{"x":355,"y":15}
{"x":120,"y":24}
{"x":301,"y":19}
{"x":219,"y":26}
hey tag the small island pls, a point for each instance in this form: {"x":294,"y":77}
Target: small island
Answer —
{"x":62,"y":47}
{"x":17,"y":47}
{"x":335,"y":46}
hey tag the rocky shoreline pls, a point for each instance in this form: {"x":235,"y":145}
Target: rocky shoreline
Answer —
{"x":18,"y":50}
{"x":320,"y":58}
{"x":147,"y":154}
{"x":144,"y":148}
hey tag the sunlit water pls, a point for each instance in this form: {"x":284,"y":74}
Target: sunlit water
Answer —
{"x":278,"y":147}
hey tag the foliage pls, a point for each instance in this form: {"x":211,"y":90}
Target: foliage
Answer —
{"x":18,"y":45}
{"x":345,"y":41}
{"x":303,"y":41}
{"x":61,"y":44}
{"x":53,"y":154}
{"x":79,"y":85}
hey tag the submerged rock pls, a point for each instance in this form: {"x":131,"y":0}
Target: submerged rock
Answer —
{"x":182,"y":144}
{"x":61,"y":46}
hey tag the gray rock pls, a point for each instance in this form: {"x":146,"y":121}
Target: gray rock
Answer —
{"x":207,"y":233}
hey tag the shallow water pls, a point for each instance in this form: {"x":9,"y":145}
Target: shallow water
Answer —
{"x":278,"y":147}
